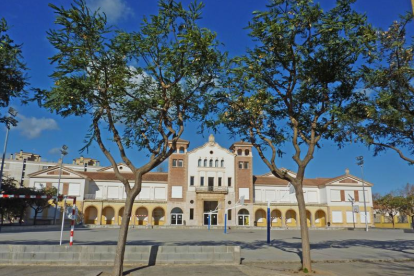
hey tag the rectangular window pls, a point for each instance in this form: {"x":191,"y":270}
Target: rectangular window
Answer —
{"x":241,"y":165}
{"x":177,"y":192}
{"x":229,"y":214}
{"x":337,"y":217}
{"x":229,"y":181}
{"x":178,"y":163}
{"x":219,"y":181}
{"x":74,"y":189}
{"x":244,"y":192}
{"x":191,"y":180}
{"x":335,"y":195}
{"x":191,"y":213}
{"x":361,"y":196}
{"x":246,"y":165}
{"x":349,"y":218}
{"x":202,"y":181}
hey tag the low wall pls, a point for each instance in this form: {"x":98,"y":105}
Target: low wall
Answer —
{"x":105,"y":255}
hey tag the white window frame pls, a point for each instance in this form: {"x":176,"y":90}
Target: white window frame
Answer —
{"x":336,"y":218}
{"x":176,"y":192}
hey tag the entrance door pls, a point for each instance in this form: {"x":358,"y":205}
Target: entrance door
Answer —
{"x":213,"y":218}
{"x":211,"y":183}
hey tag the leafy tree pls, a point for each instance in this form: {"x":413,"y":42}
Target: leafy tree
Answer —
{"x":41,"y":204}
{"x":296,"y":84}
{"x":12,"y":68}
{"x":388,"y":120}
{"x":138,"y":88}
{"x":390,"y":205}
{"x":407,"y":207}
{"x":13,"y":207}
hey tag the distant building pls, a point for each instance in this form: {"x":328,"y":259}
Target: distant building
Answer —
{"x":206,"y":183}
{"x":27,"y":155}
{"x":86,"y":162}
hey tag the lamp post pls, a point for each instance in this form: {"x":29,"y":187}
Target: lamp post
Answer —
{"x":9,"y":121}
{"x":352,"y":200}
{"x":63,"y":152}
{"x":360,"y":162}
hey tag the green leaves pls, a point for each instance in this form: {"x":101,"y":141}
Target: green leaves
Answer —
{"x":389,"y":119}
{"x":12,"y":68}
{"x":305,"y":62}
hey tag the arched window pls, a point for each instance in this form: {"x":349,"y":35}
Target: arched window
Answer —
{"x":205,"y":162}
{"x":199,"y":162}
{"x":239,"y":152}
{"x":222,"y":163}
{"x":216,"y":163}
{"x":246,"y":152}
{"x":211,"y":163}
{"x":181,"y":150}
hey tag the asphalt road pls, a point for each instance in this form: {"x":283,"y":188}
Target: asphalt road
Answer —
{"x":327,"y":245}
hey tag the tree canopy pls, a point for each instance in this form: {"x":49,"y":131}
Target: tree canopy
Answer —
{"x":12,"y":68}
{"x":297,"y":84}
{"x":388,"y":120}
{"x":139,"y":88}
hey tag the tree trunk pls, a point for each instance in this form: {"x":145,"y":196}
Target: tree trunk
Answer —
{"x":306,"y":257}
{"x":393,"y":222}
{"x":21,"y":215}
{"x":122,"y":237}
{"x":1,"y":218}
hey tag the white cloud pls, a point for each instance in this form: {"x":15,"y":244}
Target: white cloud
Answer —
{"x":32,"y":127}
{"x":114,"y":9}
{"x":54,"y":151}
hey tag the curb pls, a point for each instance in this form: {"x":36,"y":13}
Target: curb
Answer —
{"x":402,"y":260}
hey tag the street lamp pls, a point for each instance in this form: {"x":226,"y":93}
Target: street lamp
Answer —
{"x":9,"y":121}
{"x":63,"y":152}
{"x":360,"y":162}
{"x":352,"y":200}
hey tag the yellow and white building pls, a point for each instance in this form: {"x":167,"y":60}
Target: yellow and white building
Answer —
{"x":210,"y":178}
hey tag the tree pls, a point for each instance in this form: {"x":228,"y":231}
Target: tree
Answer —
{"x":13,"y":207}
{"x":296,"y":85}
{"x":12,"y":68}
{"x":41,"y":204}
{"x":390,"y":205}
{"x":388,"y":120}
{"x":407,"y":207}
{"x":146,"y":84}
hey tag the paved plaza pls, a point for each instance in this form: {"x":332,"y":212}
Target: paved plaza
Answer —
{"x":327,"y":245}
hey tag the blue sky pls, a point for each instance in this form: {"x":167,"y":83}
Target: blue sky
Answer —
{"x":42,"y":132}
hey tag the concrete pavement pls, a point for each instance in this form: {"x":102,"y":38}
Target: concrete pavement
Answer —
{"x":253,"y":269}
{"x":327,"y":245}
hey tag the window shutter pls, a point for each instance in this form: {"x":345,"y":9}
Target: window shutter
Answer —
{"x":356,"y":194}
{"x":65,"y":188}
{"x":342,"y":195}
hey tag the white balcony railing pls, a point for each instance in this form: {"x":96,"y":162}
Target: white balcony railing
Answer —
{"x":212,"y":189}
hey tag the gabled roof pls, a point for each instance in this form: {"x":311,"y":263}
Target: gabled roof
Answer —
{"x":110,"y":167}
{"x":51,"y":169}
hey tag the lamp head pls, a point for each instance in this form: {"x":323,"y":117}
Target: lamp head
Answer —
{"x":12,"y":112}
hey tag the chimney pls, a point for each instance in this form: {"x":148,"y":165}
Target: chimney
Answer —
{"x":11,"y":156}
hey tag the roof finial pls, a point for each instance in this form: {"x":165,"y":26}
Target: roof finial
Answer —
{"x":211,"y":138}
{"x":347,"y":171}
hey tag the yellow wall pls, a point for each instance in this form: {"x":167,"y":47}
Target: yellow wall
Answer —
{"x":384,"y":224}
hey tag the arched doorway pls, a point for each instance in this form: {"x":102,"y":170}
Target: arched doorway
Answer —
{"x":91,"y":215}
{"x":308,"y":218}
{"x":243,"y":217}
{"x":141,"y":216}
{"x":260,"y":218}
{"x":176,"y":216}
{"x":120,"y":214}
{"x":291,"y":218}
{"x":158,"y":216}
{"x":320,"y":218}
{"x":276,"y":218}
{"x":108,"y":216}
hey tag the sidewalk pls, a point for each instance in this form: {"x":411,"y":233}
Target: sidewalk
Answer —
{"x":260,"y":269}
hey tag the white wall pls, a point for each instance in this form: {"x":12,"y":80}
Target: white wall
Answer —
{"x":219,"y":154}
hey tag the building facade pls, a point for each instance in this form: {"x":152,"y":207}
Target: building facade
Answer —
{"x":203,"y":185}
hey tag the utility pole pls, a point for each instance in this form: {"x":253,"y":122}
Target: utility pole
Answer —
{"x":360,"y":162}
